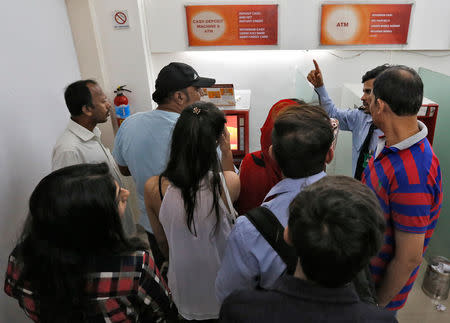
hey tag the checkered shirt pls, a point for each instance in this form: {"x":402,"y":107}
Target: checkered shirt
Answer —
{"x":122,"y":288}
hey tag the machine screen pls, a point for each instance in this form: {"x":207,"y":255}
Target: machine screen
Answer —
{"x":232,"y":126}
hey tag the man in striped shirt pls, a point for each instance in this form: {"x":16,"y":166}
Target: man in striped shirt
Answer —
{"x":406,"y":177}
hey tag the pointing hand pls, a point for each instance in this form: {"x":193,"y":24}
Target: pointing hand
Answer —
{"x":315,"y":76}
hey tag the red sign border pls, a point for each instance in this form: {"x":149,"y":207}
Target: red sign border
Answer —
{"x":408,"y":32}
{"x":237,"y":42}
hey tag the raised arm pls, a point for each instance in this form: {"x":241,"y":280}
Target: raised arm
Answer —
{"x":225,"y":148}
{"x":233,"y":184}
{"x":315,"y":76}
{"x":347,"y":118}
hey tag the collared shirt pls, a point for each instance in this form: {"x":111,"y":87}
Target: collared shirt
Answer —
{"x":354,"y":120}
{"x":78,"y":145}
{"x":143,"y":145}
{"x":295,"y":300}
{"x":120,"y":287}
{"x":405,"y":144}
{"x":249,"y":259}
{"x":407,"y":180}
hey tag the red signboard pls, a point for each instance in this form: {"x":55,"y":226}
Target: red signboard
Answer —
{"x":365,"y":24}
{"x":228,"y":25}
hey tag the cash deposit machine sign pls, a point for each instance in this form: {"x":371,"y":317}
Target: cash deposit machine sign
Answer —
{"x":365,"y":24}
{"x":228,"y":25}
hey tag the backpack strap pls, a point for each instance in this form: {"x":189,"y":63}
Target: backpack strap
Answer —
{"x":271,"y":229}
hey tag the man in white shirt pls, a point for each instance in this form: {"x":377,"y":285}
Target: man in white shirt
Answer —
{"x":80,"y":142}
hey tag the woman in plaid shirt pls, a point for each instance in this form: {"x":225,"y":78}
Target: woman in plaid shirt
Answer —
{"x":73,"y":262}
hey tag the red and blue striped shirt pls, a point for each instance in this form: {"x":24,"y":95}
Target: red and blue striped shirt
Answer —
{"x":407,"y":180}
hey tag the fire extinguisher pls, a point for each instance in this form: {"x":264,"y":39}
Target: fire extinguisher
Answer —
{"x":121,"y":104}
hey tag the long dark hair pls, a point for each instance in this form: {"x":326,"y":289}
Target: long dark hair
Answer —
{"x":193,"y":154}
{"x":73,"y":217}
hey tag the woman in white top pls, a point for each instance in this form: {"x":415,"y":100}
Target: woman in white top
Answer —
{"x":196,"y":212}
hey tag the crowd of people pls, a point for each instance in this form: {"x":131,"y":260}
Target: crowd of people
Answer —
{"x":301,"y":247}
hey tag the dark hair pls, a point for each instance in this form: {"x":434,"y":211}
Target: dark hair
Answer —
{"x":301,"y":138}
{"x":373,"y":73}
{"x":401,"y":88}
{"x":194,"y":153}
{"x":298,"y":101}
{"x":73,"y":217}
{"x":78,"y":95}
{"x":336,"y":225}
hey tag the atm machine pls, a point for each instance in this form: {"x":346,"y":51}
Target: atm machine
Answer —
{"x":236,"y":105}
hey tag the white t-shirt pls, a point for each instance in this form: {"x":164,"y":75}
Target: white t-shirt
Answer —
{"x":195,"y":260}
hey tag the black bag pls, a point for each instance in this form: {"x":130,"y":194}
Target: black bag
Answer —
{"x":271,"y":229}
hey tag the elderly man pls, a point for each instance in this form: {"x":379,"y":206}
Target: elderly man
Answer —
{"x":406,"y":177}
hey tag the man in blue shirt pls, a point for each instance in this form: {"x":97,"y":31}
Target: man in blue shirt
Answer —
{"x":358,"y":121}
{"x":301,"y":145}
{"x":141,"y":147}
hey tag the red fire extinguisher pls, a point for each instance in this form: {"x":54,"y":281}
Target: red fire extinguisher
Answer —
{"x":121,"y":104}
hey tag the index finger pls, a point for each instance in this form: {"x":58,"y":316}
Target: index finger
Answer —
{"x":316,"y":65}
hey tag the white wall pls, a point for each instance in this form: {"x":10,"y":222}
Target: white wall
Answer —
{"x":90,"y":54}
{"x":299,"y":24}
{"x":37,"y":60}
{"x":114,"y":57}
{"x":274,"y":75}
{"x":125,"y":55}
{"x":270,"y":74}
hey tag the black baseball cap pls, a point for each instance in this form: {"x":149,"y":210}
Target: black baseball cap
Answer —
{"x":177,"y":76}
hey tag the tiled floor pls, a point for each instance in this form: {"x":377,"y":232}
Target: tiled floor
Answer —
{"x":420,"y":308}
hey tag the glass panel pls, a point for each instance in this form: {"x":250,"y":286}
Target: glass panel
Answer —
{"x":436,"y":88}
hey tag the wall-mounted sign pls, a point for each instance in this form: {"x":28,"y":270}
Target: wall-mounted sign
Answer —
{"x":228,"y":25}
{"x":221,"y":95}
{"x":365,"y":24}
{"x":120,"y":19}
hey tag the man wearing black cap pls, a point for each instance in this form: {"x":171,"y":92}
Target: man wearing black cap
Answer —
{"x":141,"y":147}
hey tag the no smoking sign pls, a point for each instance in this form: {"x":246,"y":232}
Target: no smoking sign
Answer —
{"x":120,"y":19}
